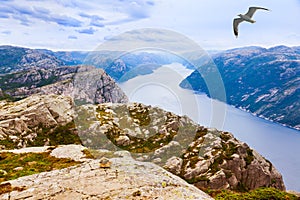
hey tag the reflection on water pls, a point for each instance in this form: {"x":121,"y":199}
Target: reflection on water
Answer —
{"x":277,"y":143}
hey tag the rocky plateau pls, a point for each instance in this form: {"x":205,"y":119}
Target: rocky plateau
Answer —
{"x":204,"y":157}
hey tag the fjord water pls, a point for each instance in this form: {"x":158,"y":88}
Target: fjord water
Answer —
{"x":279,"y":144}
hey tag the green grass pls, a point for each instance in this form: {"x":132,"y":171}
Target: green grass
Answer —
{"x":31,"y":163}
{"x":257,"y":194}
{"x":55,"y":136}
{"x":52,"y":136}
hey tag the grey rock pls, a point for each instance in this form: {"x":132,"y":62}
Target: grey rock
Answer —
{"x":20,"y":121}
{"x":174,"y":165}
{"x":207,"y":158}
{"x":85,"y":84}
{"x":121,"y":181}
{"x":18,"y":168}
{"x":123,"y":140}
{"x":74,"y":152}
{"x":123,"y":154}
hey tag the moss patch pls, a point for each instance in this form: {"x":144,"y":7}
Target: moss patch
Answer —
{"x":257,"y":194}
{"x":51,"y":136}
{"x":30,"y":163}
{"x":250,"y":157}
{"x":88,"y":154}
{"x":139,"y":116}
{"x":65,"y":134}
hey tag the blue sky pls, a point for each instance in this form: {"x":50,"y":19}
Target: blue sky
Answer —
{"x":84,"y":25}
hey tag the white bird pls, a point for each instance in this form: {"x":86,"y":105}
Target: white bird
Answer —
{"x":246,"y":17}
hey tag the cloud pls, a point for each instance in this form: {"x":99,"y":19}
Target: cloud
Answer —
{"x":23,"y":20}
{"x":76,"y":13}
{"x":26,"y":14}
{"x":134,"y":11}
{"x":89,"y":31}
{"x":75,"y":4}
{"x":41,"y":10}
{"x":95,"y":20}
{"x":72,"y":37}
{"x":22,"y":10}
{"x":150,"y":38}
{"x":65,"y":21}
{"x":151,"y":3}
{"x":5,"y":9}
{"x":6,"y":32}
{"x":138,"y":10}
{"x":4,"y":15}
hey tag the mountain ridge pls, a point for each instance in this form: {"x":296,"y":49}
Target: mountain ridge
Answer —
{"x":204,"y":157}
{"x":261,"y":81}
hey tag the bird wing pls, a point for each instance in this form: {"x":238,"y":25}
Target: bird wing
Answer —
{"x":252,"y":10}
{"x":236,"y":23}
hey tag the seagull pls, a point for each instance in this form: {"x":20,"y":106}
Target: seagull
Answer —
{"x":246,"y":17}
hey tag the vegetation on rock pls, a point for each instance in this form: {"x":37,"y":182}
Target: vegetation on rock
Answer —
{"x":257,"y":194}
{"x":205,"y":157}
{"x":23,"y":164}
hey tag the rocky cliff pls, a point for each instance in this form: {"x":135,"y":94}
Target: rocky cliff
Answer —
{"x":37,"y":121}
{"x":262,"y":81}
{"x":83,"y":83}
{"x":125,"y":179}
{"x":18,"y":59}
{"x":205,"y":157}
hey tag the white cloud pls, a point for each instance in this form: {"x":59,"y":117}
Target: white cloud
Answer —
{"x":208,"y":22}
{"x":89,"y":31}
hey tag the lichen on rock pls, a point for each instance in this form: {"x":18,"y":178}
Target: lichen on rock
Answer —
{"x":205,"y":157}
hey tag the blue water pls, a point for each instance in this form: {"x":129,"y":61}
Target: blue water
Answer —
{"x":276,"y":143}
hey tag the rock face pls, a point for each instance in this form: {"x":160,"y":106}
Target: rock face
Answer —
{"x":83,"y":83}
{"x":18,"y":59}
{"x":262,"y":81}
{"x":125,"y":179}
{"x":31,"y":121}
{"x":205,"y":157}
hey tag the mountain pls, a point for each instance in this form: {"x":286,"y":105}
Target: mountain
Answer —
{"x":205,"y":157}
{"x":83,"y":83}
{"x":262,"y":81}
{"x":67,"y":57}
{"x":37,"y":121}
{"x":121,"y":66}
{"x":13,"y":59}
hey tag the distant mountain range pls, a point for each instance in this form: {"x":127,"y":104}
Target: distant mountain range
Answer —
{"x":119,"y":65}
{"x":265,"y":82}
{"x":49,"y":88}
{"x":262,"y":81}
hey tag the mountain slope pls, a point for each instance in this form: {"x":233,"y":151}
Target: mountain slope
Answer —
{"x":14,"y":59}
{"x":262,"y":81}
{"x":205,"y":157}
{"x":83,"y":83}
{"x":121,"y":66}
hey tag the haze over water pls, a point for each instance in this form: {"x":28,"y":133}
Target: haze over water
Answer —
{"x":276,"y":143}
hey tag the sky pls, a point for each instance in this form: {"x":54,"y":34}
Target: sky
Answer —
{"x":84,"y":25}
